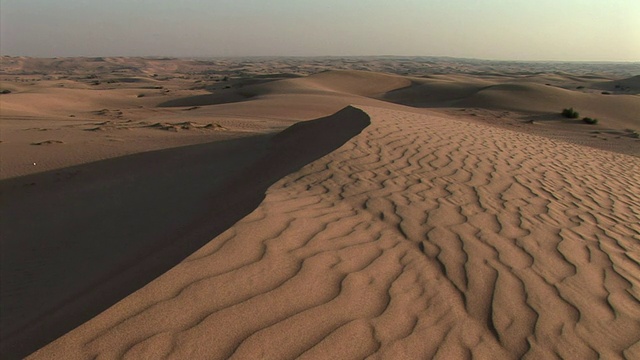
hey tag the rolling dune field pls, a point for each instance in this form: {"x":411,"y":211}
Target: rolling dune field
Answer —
{"x":391,"y":209}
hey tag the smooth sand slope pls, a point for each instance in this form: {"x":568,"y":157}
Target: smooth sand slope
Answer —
{"x":421,"y":237}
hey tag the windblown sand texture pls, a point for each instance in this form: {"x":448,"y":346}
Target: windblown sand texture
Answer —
{"x":397,"y":208}
{"x":421,"y":237}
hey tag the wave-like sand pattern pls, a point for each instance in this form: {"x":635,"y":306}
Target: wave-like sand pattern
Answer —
{"x":75,"y":242}
{"x":421,"y":237}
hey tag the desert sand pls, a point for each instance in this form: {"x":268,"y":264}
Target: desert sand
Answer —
{"x":268,"y":208}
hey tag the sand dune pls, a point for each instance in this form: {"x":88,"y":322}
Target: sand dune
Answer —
{"x":350,"y":84}
{"x":626,"y":86}
{"x":136,"y":66}
{"x":395,"y":208}
{"x":493,"y":92}
{"x":620,"y":111}
{"x":421,"y":237}
{"x":268,"y":95}
{"x":113,"y":229}
{"x":360,"y":83}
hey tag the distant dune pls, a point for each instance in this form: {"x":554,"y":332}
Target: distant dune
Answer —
{"x":521,"y":95}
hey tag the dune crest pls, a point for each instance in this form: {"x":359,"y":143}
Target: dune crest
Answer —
{"x":421,"y":237}
{"x":98,"y":238}
{"x":258,"y":96}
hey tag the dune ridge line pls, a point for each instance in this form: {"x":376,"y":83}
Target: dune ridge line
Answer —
{"x":421,"y":237}
{"x":101,"y":232}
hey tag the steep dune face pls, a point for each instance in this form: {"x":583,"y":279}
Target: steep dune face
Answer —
{"x":421,"y":237}
{"x":99,"y":237}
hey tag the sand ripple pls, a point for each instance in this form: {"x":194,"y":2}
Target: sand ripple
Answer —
{"x":421,"y":237}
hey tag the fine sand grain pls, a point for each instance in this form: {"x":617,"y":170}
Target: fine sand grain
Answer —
{"x":421,"y":237}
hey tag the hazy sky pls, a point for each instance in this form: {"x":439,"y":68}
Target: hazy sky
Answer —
{"x":489,"y":29}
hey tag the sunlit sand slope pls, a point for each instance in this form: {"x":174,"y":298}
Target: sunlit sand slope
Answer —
{"x":421,"y":237}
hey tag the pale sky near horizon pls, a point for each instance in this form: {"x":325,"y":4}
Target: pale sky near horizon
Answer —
{"x":564,"y":30}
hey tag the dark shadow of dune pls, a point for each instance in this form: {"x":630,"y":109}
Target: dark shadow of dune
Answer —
{"x":236,"y":91}
{"x":628,"y":86}
{"x":548,"y":118}
{"x":209,"y":99}
{"x":77,"y":240}
{"x":431,"y":95}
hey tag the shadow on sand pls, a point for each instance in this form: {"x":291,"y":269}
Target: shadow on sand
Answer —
{"x":77,"y":240}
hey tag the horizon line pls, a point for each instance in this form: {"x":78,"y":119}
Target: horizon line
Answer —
{"x":315,"y":56}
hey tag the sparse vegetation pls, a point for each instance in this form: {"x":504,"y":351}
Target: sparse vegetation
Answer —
{"x":634,"y":134}
{"x":570,"y":113}
{"x":5,"y":91}
{"x":140,"y":95}
{"x":48,"y":142}
{"x":606,"y":93}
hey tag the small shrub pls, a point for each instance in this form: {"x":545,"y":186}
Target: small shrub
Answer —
{"x":570,"y":113}
{"x":140,"y":95}
{"x":590,"y":121}
{"x":606,"y":93}
{"x":5,"y":91}
{"x":580,"y":87}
